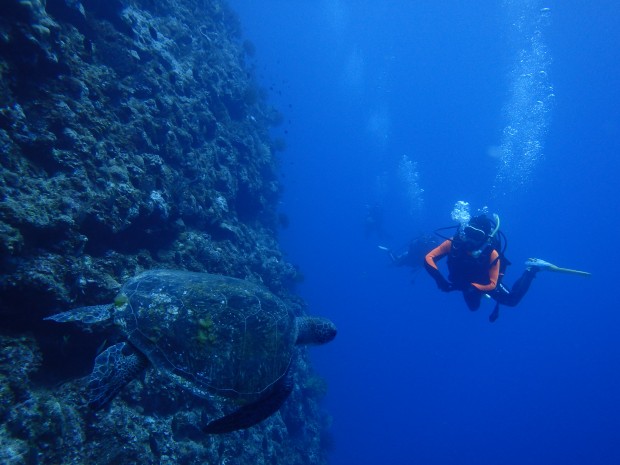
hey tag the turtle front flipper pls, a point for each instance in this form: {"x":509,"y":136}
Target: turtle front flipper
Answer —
{"x":113,"y":369}
{"x":87,"y":315}
{"x":255,"y":412}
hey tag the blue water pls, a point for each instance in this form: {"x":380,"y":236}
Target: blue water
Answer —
{"x":412,"y":106}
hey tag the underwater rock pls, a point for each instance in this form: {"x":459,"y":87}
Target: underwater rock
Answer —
{"x":131,"y":151}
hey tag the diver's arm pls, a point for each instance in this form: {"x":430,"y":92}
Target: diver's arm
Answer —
{"x":431,"y":266}
{"x":493,"y":274}
{"x":438,"y":253}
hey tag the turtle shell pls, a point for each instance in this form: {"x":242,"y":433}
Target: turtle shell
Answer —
{"x":211,"y":333}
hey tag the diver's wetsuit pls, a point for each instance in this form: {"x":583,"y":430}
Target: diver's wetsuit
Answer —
{"x":519,"y":289}
{"x":476,"y":276}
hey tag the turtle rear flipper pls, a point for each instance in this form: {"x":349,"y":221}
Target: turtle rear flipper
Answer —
{"x":255,"y":412}
{"x":113,"y":369}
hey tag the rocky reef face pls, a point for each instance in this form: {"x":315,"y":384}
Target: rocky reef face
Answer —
{"x":132,"y":137}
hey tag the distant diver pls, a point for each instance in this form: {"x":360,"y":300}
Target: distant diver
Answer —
{"x":476,"y":265}
{"x":373,"y":221}
{"x":414,"y":252}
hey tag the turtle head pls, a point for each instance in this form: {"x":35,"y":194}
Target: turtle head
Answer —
{"x":315,"y":330}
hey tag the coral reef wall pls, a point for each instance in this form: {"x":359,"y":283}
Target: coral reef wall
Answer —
{"x":132,"y":136}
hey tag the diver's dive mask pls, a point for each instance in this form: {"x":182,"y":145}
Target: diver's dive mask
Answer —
{"x":473,"y":235}
{"x":476,"y":237}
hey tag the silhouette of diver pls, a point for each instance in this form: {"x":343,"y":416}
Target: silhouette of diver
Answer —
{"x":414,"y":253}
{"x":373,"y":221}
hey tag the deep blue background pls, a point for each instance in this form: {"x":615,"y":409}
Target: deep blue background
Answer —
{"x":414,"y":377}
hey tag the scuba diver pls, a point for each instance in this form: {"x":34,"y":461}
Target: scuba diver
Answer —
{"x":373,"y":221}
{"x":476,"y":265}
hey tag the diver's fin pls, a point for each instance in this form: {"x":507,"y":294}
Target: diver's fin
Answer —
{"x":389,"y":252}
{"x":569,"y":271}
{"x":543,"y":265}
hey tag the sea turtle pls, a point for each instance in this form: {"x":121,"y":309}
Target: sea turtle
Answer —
{"x":212,"y":334}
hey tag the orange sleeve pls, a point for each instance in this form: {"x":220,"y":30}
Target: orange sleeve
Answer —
{"x":438,"y":253}
{"x":493,"y":274}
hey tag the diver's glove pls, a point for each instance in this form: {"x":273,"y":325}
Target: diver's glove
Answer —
{"x":444,"y":285}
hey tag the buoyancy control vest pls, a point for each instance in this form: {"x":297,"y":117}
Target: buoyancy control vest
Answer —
{"x":465,"y":266}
